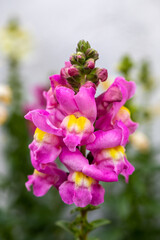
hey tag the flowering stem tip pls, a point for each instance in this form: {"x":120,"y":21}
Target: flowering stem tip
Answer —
{"x":74,"y":123}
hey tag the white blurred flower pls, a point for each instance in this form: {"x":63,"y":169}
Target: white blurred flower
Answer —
{"x":14,"y":42}
{"x":140,"y":141}
{"x":3,"y":114}
{"x":5,"y":94}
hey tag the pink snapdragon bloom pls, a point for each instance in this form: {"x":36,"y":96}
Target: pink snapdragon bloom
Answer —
{"x":79,"y":188}
{"x":110,"y":155}
{"x":44,"y":180}
{"x":45,"y":148}
{"x":72,"y":118}
{"x":110,"y":105}
{"x":73,"y":121}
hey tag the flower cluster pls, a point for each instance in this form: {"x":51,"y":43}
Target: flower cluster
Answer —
{"x":88,"y":134}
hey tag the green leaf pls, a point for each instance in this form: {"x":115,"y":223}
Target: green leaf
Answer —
{"x":99,"y":222}
{"x":64,"y":225}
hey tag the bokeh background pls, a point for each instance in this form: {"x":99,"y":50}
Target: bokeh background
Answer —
{"x":127,"y":35}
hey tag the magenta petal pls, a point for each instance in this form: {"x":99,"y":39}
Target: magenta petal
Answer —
{"x":65,"y":97}
{"x":108,"y":139}
{"x":104,"y":122}
{"x":72,"y":141}
{"x":100,"y":174}
{"x":56,"y":175}
{"x":132,"y":126}
{"x":114,"y":98}
{"x":43,"y":120}
{"x":125,"y":132}
{"x":113,"y":94}
{"x":111,"y":138}
{"x":128,"y":170}
{"x":97,"y":192}
{"x":42,"y":153}
{"x":51,"y":100}
{"x":56,"y":80}
{"x":40,"y":185}
{"x":127,"y":87}
{"x":82,"y":196}
{"x":85,"y":101}
{"x":74,"y":161}
{"x":66,"y":191}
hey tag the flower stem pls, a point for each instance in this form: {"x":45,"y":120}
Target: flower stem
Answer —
{"x":84,"y":222}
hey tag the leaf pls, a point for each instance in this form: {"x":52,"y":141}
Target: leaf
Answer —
{"x":99,"y":222}
{"x":64,"y":225}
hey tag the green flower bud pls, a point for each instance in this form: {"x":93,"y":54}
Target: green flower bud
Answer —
{"x":82,"y":46}
{"x":91,"y":53}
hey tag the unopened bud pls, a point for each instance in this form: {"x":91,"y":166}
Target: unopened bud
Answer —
{"x":90,"y":63}
{"x":79,"y":57}
{"x":102,"y":74}
{"x":69,"y":71}
{"x":72,"y":71}
{"x":91,"y":53}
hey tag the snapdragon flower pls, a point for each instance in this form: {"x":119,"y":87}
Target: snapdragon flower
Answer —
{"x":73,"y":121}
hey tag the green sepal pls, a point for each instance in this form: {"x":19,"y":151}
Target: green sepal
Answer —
{"x":87,"y":208}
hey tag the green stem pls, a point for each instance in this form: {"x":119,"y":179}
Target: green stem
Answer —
{"x":84,"y":233}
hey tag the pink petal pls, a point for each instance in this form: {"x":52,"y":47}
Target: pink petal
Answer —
{"x":85,"y":101}
{"x":97,"y":192}
{"x":40,"y":185}
{"x":82,"y":197}
{"x":65,"y":97}
{"x":74,"y":161}
{"x":72,"y":140}
{"x":66,"y":191}
{"x":43,"y":120}
{"x":128,"y":170}
{"x":100,"y":173}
